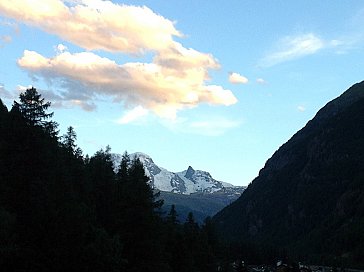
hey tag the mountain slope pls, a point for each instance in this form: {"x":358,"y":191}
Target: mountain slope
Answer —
{"x":309,"y":197}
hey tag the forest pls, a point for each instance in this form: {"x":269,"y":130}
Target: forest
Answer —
{"x":61,"y":210}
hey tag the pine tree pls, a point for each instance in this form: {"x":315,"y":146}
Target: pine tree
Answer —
{"x":122,"y":174}
{"x":3,"y":125}
{"x":172,"y":216}
{"x":33,"y":109}
{"x":102,"y":179}
{"x":140,"y":224}
{"x":3,"y":108}
{"x":69,"y":139}
{"x":69,"y":142}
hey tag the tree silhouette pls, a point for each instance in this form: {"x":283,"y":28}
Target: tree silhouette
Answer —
{"x":33,"y":109}
{"x":69,"y":142}
{"x":172,"y":215}
{"x":3,"y":108}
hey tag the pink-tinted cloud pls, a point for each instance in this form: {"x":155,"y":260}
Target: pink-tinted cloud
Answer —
{"x":163,"y":90}
{"x":96,"y":24}
{"x":237,"y":78}
{"x":175,"y":79}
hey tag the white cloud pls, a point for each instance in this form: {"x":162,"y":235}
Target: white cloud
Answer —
{"x":236,"y":78}
{"x":60,"y":48}
{"x":21,"y":88}
{"x":301,"y":108}
{"x":293,"y":47}
{"x":163,"y":90}
{"x":261,"y":81}
{"x":132,"y":115}
{"x":96,"y":24}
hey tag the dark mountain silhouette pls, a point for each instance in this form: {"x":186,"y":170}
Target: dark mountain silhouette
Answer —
{"x":309,"y":197}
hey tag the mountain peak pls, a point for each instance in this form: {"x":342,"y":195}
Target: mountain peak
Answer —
{"x":189,"y":173}
{"x":144,"y":158}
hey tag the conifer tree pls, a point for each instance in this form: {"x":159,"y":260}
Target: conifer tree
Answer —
{"x":3,"y":108}
{"x":3,"y":118}
{"x":69,"y":139}
{"x":102,"y":178}
{"x":172,"y":215}
{"x":122,"y":174}
{"x":33,"y":109}
{"x":69,"y":142}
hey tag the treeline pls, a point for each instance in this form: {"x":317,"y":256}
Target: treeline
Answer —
{"x":63,"y":211}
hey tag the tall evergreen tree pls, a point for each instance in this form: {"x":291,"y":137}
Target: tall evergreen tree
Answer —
{"x":69,"y":139}
{"x":123,"y":169}
{"x":3,"y":129}
{"x":69,"y":142}
{"x":33,"y":108}
{"x":102,"y":180}
{"x":3,"y":108}
{"x":141,"y":225}
{"x":172,"y":216}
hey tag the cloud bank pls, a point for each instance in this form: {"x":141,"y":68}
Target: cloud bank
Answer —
{"x":175,"y":79}
{"x":162,"y":89}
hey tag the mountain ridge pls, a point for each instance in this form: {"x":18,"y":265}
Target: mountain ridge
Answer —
{"x":187,"y":182}
{"x":309,"y":196}
{"x":190,"y":190}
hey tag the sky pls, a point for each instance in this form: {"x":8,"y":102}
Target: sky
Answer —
{"x":216,"y":85}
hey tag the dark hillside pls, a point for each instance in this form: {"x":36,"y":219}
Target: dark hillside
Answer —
{"x":309,"y":197}
{"x":202,"y":205}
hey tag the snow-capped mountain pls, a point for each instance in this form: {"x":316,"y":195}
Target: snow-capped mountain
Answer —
{"x":190,"y":190}
{"x":186,"y":182}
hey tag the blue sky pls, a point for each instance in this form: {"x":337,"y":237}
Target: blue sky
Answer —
{"x":212,"y":84}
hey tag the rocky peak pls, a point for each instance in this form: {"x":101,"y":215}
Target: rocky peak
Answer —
{"x":190,"y":172}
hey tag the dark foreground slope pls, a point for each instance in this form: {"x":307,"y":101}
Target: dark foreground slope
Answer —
{"x":202,"y":205}
{"x":309,"y":197}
